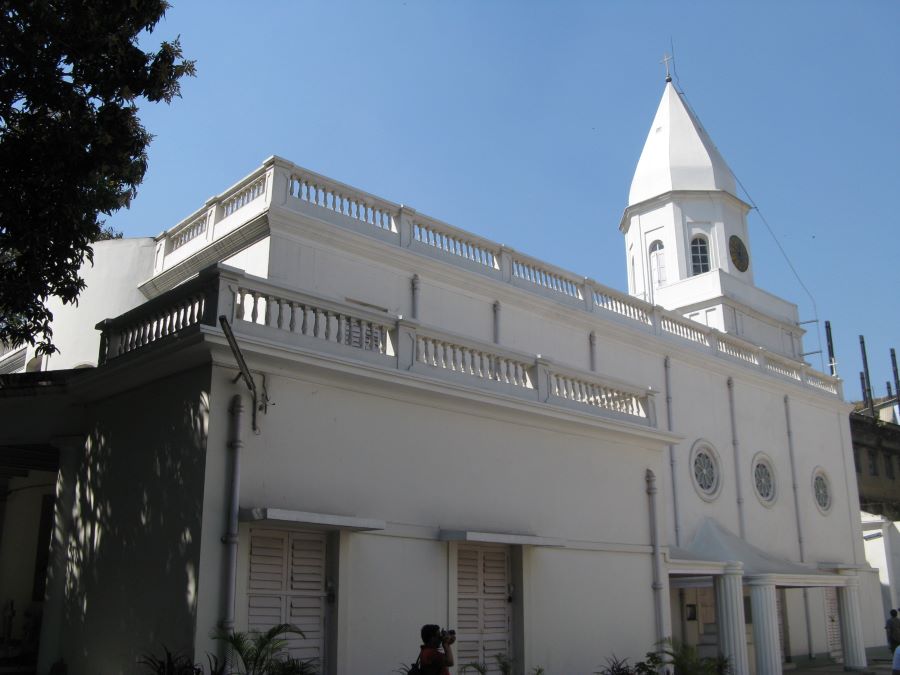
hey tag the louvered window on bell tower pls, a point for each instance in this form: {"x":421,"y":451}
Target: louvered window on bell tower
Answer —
{"x":699,"y":255}
{"x":657,"y":264}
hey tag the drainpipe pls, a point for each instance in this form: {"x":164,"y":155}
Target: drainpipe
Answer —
{"x":667,"y":368}
{"x":737,"y":460}
{"x":230,"y":539}
{"x":800,"y":541}
{"x":657,"y":586}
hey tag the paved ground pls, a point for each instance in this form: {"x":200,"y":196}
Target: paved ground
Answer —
{"x":877,"y":666}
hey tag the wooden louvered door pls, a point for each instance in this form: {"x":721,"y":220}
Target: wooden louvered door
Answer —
{"x":287,"y":585}
{"x":483,"y":610}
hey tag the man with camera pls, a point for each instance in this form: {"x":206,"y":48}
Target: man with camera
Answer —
{"x":435,"y":655}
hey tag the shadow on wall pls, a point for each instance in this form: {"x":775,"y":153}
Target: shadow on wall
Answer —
{"x":134,"y":542}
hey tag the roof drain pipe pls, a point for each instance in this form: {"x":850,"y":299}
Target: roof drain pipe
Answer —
{"x":658,"y":586}
{"x":801,"y":542}
{"x":667,"y":368}
{"x":737,"y":460}
{"x":230,"y":539}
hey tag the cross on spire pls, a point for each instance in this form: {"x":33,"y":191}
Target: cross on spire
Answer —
{"x":665,"y":60}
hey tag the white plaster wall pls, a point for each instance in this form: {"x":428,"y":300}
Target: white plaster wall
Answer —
{"x":587,"y":606}
{"x":254,"y":259}
{"x":424,"y":463}
{"x":21,"y":520}
{"x":388,"y":603}
{"x":119,"y":266}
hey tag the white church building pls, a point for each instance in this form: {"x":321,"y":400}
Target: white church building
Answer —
{"x":305,"y":403}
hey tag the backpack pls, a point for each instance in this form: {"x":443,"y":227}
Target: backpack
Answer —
{"x":418,"y":669}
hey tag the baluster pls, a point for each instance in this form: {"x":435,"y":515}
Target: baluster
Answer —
{"x":468,"y":368}
{"x":192,"y":311}
{"x":419,"y":353}
{"x":239,"y":303}
{"x":331,"y":327}
{"x":428,"y":351}
{"x":254,"y":312}
{"x":303,"y":324}
{"x":269,"y":316}
{"x":317,"y":327}
{"x":504,"y":369}
{"x":340,"y":332}
{"x":292,"y":316}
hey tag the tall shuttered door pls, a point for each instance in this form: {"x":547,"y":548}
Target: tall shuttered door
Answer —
{"x":287,"y":585}
{"x":833,"y":625}
{"x":484,"y":613}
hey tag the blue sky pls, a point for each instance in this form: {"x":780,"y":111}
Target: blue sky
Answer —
{"x":523,"y":122}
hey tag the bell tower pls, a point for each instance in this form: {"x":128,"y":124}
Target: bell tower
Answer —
{"x":686,"y":238}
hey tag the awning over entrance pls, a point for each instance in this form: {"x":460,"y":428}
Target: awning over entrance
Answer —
{"x":715,"y":544}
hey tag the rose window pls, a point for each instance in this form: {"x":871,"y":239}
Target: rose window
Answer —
{"x":765,"y":483}
{"x":705,"y":472}
{"x":822,"y":492}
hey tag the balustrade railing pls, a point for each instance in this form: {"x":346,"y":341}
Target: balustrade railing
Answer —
{"x":293,"y":185}
{"x":244,"y":196}
{"x":784,"y":368}
{"x":598,"y":395}
{"x":444,"y":239}
{"x":192,"y":230}
{"x":624,"y":306}
{"x":313,"y":319}
{"x":826,"y":385}
{"x":166,"y":315}
{"x":342,"y":199}
{"x":545,"y":278}
{"x":684,"y":328}
{"x":475,"y":362}
{"x":738,"y":351}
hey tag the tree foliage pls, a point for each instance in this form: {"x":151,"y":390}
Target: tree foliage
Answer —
{"x":72,"y":147}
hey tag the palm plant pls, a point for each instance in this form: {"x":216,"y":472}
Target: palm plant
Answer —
{"x":255,"y":653}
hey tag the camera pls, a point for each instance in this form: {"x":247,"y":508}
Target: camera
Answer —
{"x":445,"y":634}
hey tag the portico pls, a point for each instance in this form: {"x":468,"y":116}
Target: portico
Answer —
{"x":736,"y":570}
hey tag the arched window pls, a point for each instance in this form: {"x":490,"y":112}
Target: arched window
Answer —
{"x":657,"y":264}
{"x":699,"y":255}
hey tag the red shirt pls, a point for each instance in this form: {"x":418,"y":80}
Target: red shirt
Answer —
{"x":433,"y":661}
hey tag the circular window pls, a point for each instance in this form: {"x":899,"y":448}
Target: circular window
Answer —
{"x":822,"y":490}
{"x":764,"y":479}
{"x":705,"y":470}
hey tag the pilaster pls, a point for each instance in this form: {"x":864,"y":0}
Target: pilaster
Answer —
{"x":730,"y":617}
{"x":765,"y":627}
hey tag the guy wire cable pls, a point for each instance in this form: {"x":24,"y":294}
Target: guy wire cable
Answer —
{"x":761,"y":216}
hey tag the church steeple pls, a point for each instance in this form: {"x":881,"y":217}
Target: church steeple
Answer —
{"x":678,"y":154}
{"x":686,"y":236}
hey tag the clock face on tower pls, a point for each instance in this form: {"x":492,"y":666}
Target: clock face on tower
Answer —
{"x":739,"y":255}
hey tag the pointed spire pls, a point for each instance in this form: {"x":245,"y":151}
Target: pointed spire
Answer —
{"x":678,"y":154}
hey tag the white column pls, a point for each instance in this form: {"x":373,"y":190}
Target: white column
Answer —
{"x":730,"y":617}
{"x":851,"y":622}
{"x":764,"y":606}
